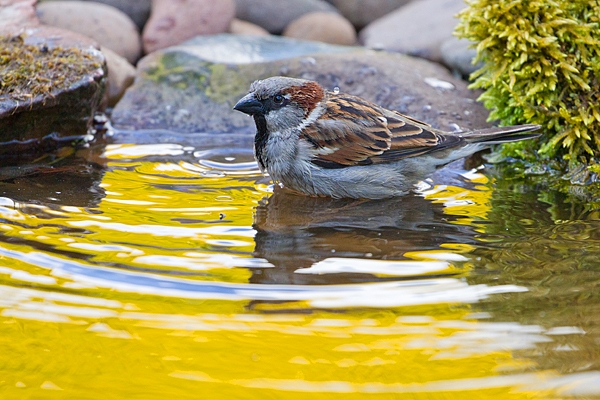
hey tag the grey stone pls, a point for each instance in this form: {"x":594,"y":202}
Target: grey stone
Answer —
{"x":363,"y":12}
{"x":275,"y":15}
{"x":417,"y":29}
{"x":193,"y":87}
{"x":458,"y":56}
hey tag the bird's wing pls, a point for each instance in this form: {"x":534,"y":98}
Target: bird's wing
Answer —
{"x":353,"y":131}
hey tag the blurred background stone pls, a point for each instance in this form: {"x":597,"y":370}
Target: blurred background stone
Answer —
{"x":239,"y":27}
{"x":323,"y":27}
{"x":363,"y":12}
{"x":120,"y":76}
{"x":172,"y":22}
{"x":137,"y":10}
{"x":417,"y":29}
{"x":275,"y":15}
{"x":15,"y":15}
{"x":458,"y":56}
{"x":107,"y":25}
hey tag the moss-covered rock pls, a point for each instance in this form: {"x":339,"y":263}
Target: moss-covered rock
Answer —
{"x":47,"y":88}
{"x":542,"y":65}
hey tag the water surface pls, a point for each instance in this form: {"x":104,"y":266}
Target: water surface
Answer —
{"x":150,"y":266}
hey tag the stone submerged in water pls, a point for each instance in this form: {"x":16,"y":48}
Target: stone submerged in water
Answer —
{"x":193,"y":87}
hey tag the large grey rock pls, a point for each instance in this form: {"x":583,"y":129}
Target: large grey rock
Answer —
{"x":105,"y":24}
{"x":275,"y":15}
{"x":59,"y":98}
{"x":417,"y":29}
{"x":193,"y":87}
{"x":363,"y":12}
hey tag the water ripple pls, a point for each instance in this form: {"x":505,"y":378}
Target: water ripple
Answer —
{"x":388,"y":294}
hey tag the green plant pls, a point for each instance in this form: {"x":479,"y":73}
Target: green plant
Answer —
{"x":541,"y":65}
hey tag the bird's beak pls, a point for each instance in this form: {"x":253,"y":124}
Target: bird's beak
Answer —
{"x":249,"y":105}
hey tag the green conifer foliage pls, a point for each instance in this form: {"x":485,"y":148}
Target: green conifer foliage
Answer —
{"x":541,"y":65}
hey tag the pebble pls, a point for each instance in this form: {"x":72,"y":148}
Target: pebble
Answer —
{"x":120,"y":76}
{"x":174,"y":21}
{"x":239,"y":27}
{"x":322,"y":27}
{"x":275,"y":15}
{"x":107,"y":25}
{"x":137,"y":10}
{"x":418,"y":29}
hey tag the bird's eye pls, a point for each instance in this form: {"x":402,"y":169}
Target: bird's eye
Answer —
{"x":278,"y":99}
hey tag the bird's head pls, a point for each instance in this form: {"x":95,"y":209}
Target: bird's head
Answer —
{"x":284,"y":103}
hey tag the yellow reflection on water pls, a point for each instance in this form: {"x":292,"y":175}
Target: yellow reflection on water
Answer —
{"x":150,"y":295}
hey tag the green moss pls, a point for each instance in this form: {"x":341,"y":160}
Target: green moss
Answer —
{"x":183,"y":71}
{"x":28,"y":71}
{"x":225,"y":83}
{"x":180,"y":71}
{"x":541,"y":65}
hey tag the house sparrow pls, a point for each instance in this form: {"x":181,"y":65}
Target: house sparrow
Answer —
{"x":324,"y":143}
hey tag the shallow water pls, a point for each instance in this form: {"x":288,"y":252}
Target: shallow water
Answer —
{"x":145,"y":271}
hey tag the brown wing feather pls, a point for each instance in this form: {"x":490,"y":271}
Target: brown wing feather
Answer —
{"x":354,"y":131}
{"x":411,"y":137}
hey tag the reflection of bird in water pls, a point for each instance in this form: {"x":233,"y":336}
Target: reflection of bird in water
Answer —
{"x":294,"y":232}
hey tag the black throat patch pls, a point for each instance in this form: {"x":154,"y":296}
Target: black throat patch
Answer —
{"x":260,"y":140}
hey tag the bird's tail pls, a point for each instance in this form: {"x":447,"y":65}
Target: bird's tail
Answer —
{"x":502,"y":134}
